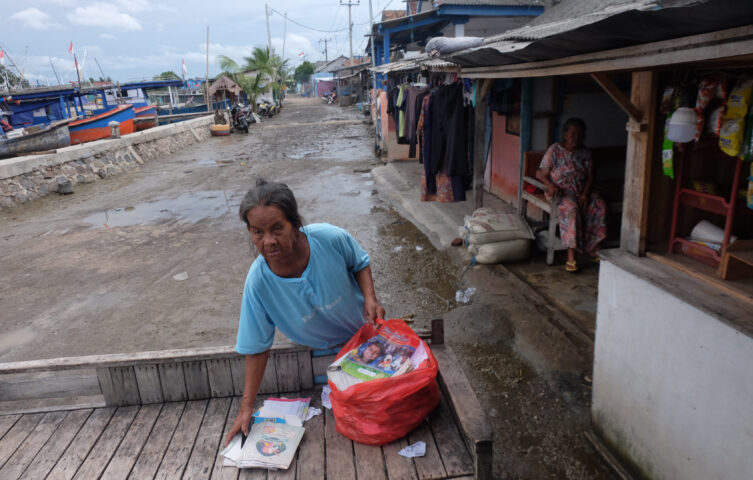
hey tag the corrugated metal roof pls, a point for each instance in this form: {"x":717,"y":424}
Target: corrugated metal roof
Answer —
{"x":495,"y":3}
{"x":618,"y":23}
{"x":422,"y":62}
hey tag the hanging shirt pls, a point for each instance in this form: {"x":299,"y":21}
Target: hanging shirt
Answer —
{"x":320,"y":309}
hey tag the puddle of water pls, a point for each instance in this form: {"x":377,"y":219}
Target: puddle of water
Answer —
{"x":189,"y":206}
{"x":300,"y":155}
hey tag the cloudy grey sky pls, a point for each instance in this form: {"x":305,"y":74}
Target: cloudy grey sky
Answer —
{"x":136,"y":39}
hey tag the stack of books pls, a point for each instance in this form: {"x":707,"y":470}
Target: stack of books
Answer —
{"x":274,"y":437}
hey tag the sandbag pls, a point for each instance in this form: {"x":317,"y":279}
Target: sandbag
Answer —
{"x":501,"y":252}
{"x":444,"y":45}
{"x":379,"y":411}
{"x":486,"y":226}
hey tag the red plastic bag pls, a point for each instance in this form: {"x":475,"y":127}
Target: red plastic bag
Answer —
{"x":379,"y":411}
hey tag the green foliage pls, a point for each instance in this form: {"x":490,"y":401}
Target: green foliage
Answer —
{"x":14,"y":80}
{"x":168,"y":75}
{"x":253,"y":85}
{"x":303,"y":72}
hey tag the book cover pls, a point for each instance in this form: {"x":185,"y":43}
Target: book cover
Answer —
{"x":384,"y":355}
{"x":271,"y":445}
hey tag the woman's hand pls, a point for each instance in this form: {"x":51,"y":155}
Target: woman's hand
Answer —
{"x":372,"y":310}
{"x":241,"y":423}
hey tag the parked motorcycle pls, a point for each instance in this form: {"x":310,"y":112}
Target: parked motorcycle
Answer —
{"x":242,"y":116}
{"x":265,"y":109}
{"x":330,"y":97}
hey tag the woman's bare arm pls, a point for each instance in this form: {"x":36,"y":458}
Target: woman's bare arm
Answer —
{"x":371,"y":306}
{"x":254,"y":371}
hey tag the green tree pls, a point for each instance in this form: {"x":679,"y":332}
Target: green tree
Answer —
{"x":303,"y":72}
{"x":168,"y":75}
{"x":266,"y":62}
{"x":252,"y":85}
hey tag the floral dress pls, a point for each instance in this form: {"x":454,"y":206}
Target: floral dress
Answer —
{"x":582,"y":228}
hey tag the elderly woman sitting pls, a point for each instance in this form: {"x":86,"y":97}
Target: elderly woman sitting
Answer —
{"x":567,"y":171}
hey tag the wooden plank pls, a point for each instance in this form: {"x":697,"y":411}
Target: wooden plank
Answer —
{"x":6,"y":423}
{"x":26,"y":452}
{"x":287,"y":372}
{"x":17,"y":434}
{"x":338,"y":450}
{"x":369,"y":462}
{"x":154,"y":449}
{"x":398,"y":467}
{"x":173,"y":382}
{"x":731,"y":42}
{"x":176,"y":457}
{"x":25,"y":386}
{"x":237,"y":371}
{"x":130,"y":448}
{"x":466,"y":408}
{"x":81,"y":444}
{"x":305,"y":371}
{"x":320,"y":364}
{"x":227,"y":473}
{"x":618,"y":96}
{"x":105,"y":384}
{"x":207,"y":443}
{"x":640,"y":151}
{"x":220,"y":378}
{"x":108,"y":442}
{"x":288,"y":474}
{"x":429,"y":466}
{"x":253,"y":474}
{"x":310,"y":464}
{"x":58,"y":442}
{"x":150,"y":388}
{"x":455,"y":456}
{"x":125,"y":388}
{"x":136,"y":358}
{"x":269,"y":380}
{"x":197,"y":381}
{"x":44,"y":405}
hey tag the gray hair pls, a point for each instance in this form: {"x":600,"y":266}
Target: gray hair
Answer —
{"x":266,"y":194}
{"x":574,"y":122}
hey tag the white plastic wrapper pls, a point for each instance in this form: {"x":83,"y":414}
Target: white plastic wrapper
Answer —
{"x":418,"y":449}
{"x":326,"y":403}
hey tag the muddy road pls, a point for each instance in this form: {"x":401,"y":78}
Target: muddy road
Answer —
{"x":156,"y":259}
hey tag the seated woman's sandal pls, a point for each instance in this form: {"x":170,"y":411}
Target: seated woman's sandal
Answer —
{"x":571,"y":266}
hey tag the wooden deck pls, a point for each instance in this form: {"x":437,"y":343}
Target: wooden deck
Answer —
{"x":182,"y":440}
{"x":164,"y":414}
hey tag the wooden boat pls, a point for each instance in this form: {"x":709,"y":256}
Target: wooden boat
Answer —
{"x":37,"y":139}
{"x":97,"y":127}
{"x":146,"y":117}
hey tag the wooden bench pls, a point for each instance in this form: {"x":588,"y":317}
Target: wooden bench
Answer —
{"x":164,"y":415}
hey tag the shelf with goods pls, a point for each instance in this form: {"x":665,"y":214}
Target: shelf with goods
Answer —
{"x":727,"y":206}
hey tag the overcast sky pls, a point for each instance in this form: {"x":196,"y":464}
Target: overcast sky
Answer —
{"x":136,"y":39}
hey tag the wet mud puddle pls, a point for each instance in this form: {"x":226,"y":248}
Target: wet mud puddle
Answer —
{"x":192,"y":207}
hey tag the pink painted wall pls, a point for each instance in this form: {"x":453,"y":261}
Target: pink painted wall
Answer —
{"x":324,"y":86}
{"x":502,"y":167}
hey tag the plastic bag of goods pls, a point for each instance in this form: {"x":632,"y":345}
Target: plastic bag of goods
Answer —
{"x":501,"y":252}
{"x":397,"y":388}
{"x":486,"y":226}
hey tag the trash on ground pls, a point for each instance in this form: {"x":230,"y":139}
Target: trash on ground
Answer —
{"x":397,"y":249}
{"x":464,"y":296}
{"x":419,"y":248}
{"x":180,"y":276}
{"x":312,"y":412}
{"x":418,"y":449}
{"x":325,"y":397}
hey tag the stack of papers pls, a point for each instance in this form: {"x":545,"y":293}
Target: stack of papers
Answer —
{"x":273,"y":438}
{"x":269,"y":445}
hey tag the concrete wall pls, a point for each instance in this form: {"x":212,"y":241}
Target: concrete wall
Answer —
{"x":672,"y":385}
{"x":23,"y":179}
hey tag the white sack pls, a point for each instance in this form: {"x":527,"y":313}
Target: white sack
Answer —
{"x":501,"y":252}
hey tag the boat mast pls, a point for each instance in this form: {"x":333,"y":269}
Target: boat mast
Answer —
{"x":54,"y":71}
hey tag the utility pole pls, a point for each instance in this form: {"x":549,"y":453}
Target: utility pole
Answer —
{"x":325,"y":40}
{"x":373,"y":77}
{"x":284,"y":34}
{"x":209,"y":100}
{"x":350,"y":25}
{"x":269,"y":33}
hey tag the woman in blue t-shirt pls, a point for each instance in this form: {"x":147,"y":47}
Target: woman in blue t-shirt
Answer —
{"x":313,"y":283}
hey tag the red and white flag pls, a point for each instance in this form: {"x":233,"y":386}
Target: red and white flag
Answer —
{"x":70,"y":48}
{"x":184,"y":66}
{"x":2,"y":57}
{"x":300,"y":54}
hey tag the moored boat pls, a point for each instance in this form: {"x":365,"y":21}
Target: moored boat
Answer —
{"x":146,"y":117}
{"x":37,"y":139}
{"x":97,"y":127}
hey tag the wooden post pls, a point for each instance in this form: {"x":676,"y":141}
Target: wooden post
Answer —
{"x":640,"y":148}
{"x":478,"y":142}
{"x":526,"y":127}
{"x":437,"y":331}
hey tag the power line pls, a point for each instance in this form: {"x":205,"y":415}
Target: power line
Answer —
{"x":307,"y":27}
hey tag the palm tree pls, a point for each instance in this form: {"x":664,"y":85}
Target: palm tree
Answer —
{"x":266,"y":61}
{"x":253,"y":86}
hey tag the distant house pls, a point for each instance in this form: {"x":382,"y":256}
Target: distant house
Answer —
{"x":223,"y":88}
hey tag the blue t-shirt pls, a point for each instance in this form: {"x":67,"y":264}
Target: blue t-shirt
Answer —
{"x":321,"y":309}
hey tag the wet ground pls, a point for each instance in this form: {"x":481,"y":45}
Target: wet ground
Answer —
{"x":156,"y":259}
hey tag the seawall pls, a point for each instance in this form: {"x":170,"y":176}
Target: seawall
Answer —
{"x":27,"y":178}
